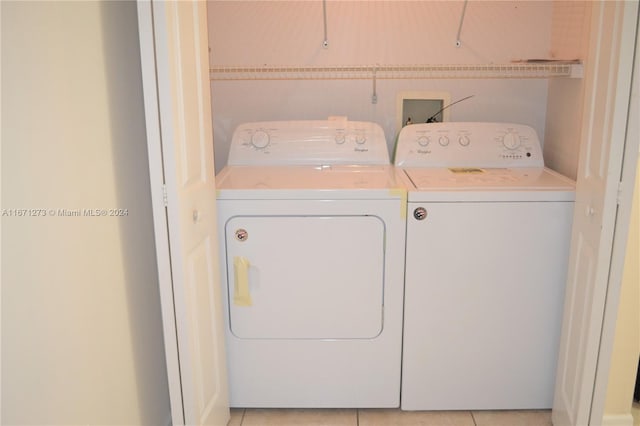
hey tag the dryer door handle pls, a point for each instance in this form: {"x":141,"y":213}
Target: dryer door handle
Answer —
{"x":241,"y":294}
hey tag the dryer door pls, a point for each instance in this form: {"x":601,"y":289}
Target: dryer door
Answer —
{"x":305,"y":277}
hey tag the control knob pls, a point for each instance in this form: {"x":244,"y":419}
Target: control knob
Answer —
{"x":511,"y":140}
{"x":423,"y":140}
{"x":260,"y":139}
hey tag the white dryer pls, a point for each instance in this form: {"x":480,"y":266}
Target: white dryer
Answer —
{"x":488,"y":239}
{"x":312,"y":229}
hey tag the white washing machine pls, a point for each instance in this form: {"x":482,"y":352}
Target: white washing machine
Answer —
{"x":488,"y":236}
{"x":312,"y":227}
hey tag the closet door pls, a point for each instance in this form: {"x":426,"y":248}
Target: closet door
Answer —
{"x":174,"y":50}
{"x":601,"y":218}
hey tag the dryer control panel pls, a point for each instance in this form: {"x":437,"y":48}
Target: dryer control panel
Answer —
{"x":468,"y":144}
{"x":308,"y":142}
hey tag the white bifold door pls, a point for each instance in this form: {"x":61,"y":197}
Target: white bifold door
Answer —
{"x":174,"y":53}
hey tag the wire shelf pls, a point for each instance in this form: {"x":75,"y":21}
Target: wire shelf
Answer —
{"x":359,"y":72}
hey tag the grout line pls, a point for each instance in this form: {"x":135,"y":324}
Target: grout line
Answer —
{"x":357,"y":417}
{"x":473,"y":418}
{"x":244,"y":410}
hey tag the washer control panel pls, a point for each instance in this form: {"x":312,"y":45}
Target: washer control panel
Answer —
{"x":470,"y":144}
{"x":308,"y":142}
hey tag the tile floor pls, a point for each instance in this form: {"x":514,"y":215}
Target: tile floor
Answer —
{"x":385,"y":417}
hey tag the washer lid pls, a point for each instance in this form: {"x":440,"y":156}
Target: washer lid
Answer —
{"x":485,"y":184}
{"x":309,"y":182}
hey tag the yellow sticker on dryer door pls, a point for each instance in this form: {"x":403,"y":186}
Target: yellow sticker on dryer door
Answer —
{"x":241,"y":295}
{"x":466,"y":170}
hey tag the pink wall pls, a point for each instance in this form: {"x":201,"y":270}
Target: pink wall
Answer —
{"x":370,"y":32}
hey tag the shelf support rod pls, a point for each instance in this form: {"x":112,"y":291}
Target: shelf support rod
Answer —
{"x":464,"y":9}
{"x":325,"y":43}
{"x":374,"y":97}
